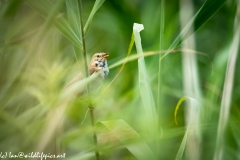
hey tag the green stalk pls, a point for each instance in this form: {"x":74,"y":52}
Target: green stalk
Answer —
{"x":228,"y":88}
{"x":90,"y":107}
{"x":84,"y":46}
{"x":161,"y":47}
{"x":191,"y":84}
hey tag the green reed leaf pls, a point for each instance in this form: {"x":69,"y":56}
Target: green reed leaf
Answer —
{"x":144,"y":84}
{"x":96,"y":6}
{"x":191,"y":125}
{"x":129,"y":138}
{"x":208,"y":9}
{"x":43,"y":8}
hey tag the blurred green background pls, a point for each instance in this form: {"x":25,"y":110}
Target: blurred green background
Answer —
{"x":38,"y":58}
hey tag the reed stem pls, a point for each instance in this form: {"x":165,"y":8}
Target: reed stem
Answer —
{"x":161,"y":47}
{"x":84,"y":46}
{"x":90,"y":107}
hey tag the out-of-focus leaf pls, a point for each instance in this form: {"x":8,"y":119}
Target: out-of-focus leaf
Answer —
{"x":96,"y":6}
{"x":73,"y":135}
{"x":73,"y":16}
{"x":144,"y":84}
{"x":8,"y":12}
{"x":43,"y":8}
{"x":182,"y":146}
{"x":228,"y":88}
{"x":146,"y":54}
{"x":177,"y":107}
{"x":192,"y":123}
{"x":65,"y":98}
{"x":130,"y":139}
{"x":209,"y":8}
{"x":74,"y":21}
{"x":11,"y":9}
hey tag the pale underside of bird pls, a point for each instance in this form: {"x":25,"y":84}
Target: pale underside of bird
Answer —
{"x":97,"y":65}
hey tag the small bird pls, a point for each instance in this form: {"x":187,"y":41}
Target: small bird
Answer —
{"x":98,"y":64}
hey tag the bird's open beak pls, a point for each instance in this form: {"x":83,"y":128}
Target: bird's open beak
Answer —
{"x":105,"y":55}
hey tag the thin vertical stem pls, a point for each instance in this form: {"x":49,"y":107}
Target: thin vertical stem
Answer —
{"x":93,"y":132}
{"x":228,"y":88}
{"x":161,"y":47}
{"x":90,"y":107}
{"x":84,"y":46}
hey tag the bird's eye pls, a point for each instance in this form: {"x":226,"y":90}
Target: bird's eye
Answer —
{"x":98,"y":56}
{"x":96,"y":64}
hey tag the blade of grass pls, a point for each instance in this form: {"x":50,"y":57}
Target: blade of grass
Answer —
{"x":144,"y":85}
{"x":73,"y":16}
{"x":209,"y":8}
{"x":146,"y":54}
{"x":227,"y":89}
{"x":75,"y":23}
{"x":191,"y":129}
{"x":161,"y":47}
{"x":182,"y":146}
{"x":215,"y":81}
{"x":43,"y":8}
{"x":84,"y":49}
{"x":96,"y":6}
{"x":130,"y":139}
{"x":177,"y":107}
{"x":191,"y":84}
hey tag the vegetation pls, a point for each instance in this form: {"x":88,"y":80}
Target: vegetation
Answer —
{"x":172,"y":91}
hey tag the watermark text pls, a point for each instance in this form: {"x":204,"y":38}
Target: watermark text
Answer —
{"x":36,"y":155}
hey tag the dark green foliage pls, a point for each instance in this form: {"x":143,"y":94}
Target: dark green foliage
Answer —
{"x":41,"y":50}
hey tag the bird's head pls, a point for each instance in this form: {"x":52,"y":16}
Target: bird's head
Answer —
{"x":99,"y":63}
{"x":99,"y":56}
